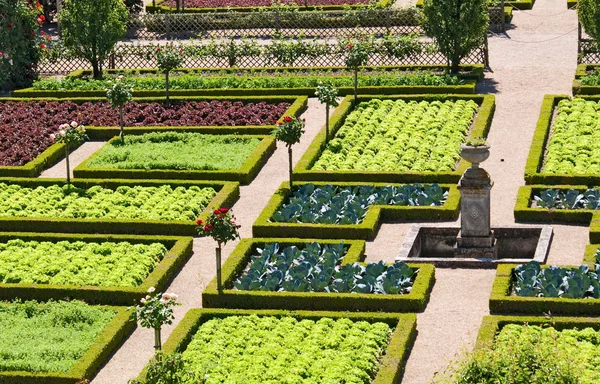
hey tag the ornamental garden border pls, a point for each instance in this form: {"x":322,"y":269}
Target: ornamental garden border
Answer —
{"x":236,"y":263}
{"x":366,"y":230}
{"x":480,"y":127}
{"x":502,"y":301}
{"x":491,"y":325}
{"x":535,"y":159}
{"x":90,"y":363}
{"x":245,"y":174}
{"x":179,"y":251}
{"x":159,"y":8}
{"x":46,"y":159}
{"x":471,"y":74}
{"x":297,"y":105}
{"x":393,"y":360}
{"x":582,"y":71}
{"x":227,"y":194}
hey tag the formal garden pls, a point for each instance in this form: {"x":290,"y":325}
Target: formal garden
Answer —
{"x":293,"y":191}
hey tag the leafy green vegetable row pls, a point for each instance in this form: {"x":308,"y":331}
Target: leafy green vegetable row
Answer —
{"x":48,"y":337}
{"x":574,"y":145}
{"x":269,"y":80}
{"x":400,"y":136}
{"x":572,"y":283}
{"x":569,"y":199}
{"x":78,"y":263}
{"x":315,"y":268}
{"x":330,"y":204}
{"x":142,"y":203}
{"x":252,"y":349}
{"x":175,"y":151}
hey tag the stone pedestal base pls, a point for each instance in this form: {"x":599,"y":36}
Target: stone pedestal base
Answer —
{"x":476,"y":246}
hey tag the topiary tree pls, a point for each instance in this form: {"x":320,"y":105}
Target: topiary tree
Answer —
{"x":289,"y":131}
{"x":458,"y":26}
{"x":70,"y":135}
{"x":21,"y":45}
{"x":357,"y":51}
{"x":168,"y":58}
{"x":91,"y":28}
{"x":156,"y":310}
{"x":327,"y":94}
{"x":118,"y":95}
{"x":589,"y":16}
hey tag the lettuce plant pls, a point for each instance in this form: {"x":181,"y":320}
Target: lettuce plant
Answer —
{"x":400,"y":136}
{"x":267,"y":349}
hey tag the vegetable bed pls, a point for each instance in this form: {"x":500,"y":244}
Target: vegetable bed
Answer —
{"x":351,"y":210}
{"x":563,"y":349}
{"x":317,"y":275}
{"x":28,"y":123}
{"x":531,"y":288}
{"x":115,"y":206}
{"x":180,"y":155}
{"x":363,"y":348}
{"x":104,"y":269}
{"x":257,"y":3}
{"x":564,"y":148}
{"x":397,"y":139}
{"x":57,"y":342}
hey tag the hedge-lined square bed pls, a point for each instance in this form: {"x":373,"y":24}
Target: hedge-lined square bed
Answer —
{"x":351,"y":210}
{"x":270,"y":346}
{"x":103,"y":269}
{"x":564,"y":148}
{"x":110,"y":206}
{"x":397,"y":139}
{"x":520,"y":341}
{"x":58,"y":342}
{"x":28,"y":123}
{"x":180,"y":155}
{"x":317,"y":275}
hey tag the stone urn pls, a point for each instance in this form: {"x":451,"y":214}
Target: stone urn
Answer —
{"x":475,"y":154}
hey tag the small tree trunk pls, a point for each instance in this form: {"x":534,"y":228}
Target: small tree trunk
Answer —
{"x":97,"y":73}
{"x":326,"y":122}
{"x":121,"y":134}
{"x":219,"y":282}
{"x":167,"y":86}
{"x":355,"y":85}
{"x":455,"y":65}
{"x":68,"y":165}
{"x":290,"y":166}
{"x":157,"y":341}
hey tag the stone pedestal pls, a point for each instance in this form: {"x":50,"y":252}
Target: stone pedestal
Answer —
{"x":476,"y":239}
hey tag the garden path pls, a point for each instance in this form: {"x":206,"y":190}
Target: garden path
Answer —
{"x":535,"y":57}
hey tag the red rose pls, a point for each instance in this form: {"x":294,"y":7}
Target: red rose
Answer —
{"x":348,"y":46}
{"x":10,"y":26}
{"x":42,"y":46}
{"x":287,"y":119}
{"x":206,"y":228}
{"x":42,"y":17}
{"x":199,"y":222}
{"x":223,"y":210}
{"x":217,"y":212}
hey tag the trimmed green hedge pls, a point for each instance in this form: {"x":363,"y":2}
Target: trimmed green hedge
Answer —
{"x":245,"y":174}
{"x":537,"y":151}
{"x":582,"y":70}
{"x":392,"y":362}
{"x":491,"y":325}
{"x":180,"y":250}
{"x":159,"y":8}
{"x":33,"y":168}
{"x":90,"y":363}
{"x":236,"y":263}
{"x":298,"y":105}
{"x":480,"y":127}
{"x":508,"y":6}
{"x":367,"y":230}
{"x":227,"y":194}
{"x":525,"y":213}
{"x":502,"y":301}
{"x":589,"y":257}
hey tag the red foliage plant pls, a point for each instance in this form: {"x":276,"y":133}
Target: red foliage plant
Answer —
{"x":26,"y":126}
{"x":257,"y":3}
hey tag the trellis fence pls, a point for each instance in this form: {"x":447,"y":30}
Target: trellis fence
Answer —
{"x":588,"y":51}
